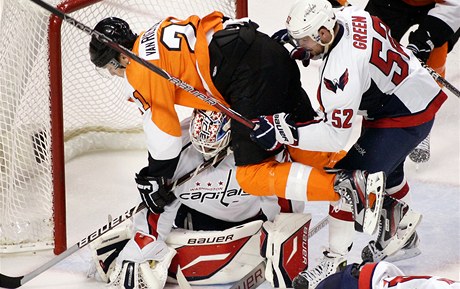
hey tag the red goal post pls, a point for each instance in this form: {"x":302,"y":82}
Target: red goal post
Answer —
{"x":55,"y":106}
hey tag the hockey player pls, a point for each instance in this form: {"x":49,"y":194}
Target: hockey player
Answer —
{"x":383,"y":275}
{"x":437,"y":33}
{"x":364,"y":72}
{"x":245,"y":69}
{"x":221,"y":241}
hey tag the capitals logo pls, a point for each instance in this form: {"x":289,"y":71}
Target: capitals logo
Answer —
{"x":332,"y":85}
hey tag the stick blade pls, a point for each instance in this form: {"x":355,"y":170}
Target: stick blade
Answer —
{"x":10,"y":282}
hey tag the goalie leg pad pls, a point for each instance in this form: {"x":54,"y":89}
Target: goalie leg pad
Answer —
{"x":284,"y":242}
{"x":215,"y":257}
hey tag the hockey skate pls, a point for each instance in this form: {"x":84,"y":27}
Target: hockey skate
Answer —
{"x":421,"y":153}
{"x":397,"y":239}
{"x":330,"y":264}
{"x":364,"y":192}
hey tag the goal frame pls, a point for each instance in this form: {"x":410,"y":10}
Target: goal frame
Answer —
{"x":57,"y":114}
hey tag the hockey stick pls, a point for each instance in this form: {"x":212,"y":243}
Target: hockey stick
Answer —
{"x":15,"y":282}
{"x":176,"y":81}
{"x":441,"y":80}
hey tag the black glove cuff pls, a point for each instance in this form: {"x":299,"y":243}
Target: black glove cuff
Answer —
{"x":439,"y":31}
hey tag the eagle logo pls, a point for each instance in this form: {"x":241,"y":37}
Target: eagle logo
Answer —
{"x":332,"y":85}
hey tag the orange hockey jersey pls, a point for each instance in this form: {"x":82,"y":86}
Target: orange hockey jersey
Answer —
{"x":179,"y":47}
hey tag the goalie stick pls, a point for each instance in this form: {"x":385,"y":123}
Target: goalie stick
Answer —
{"x":176,"y":81}
{"x":15,"y":282}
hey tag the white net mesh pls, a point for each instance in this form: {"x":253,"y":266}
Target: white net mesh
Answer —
{"x":96,"y":114}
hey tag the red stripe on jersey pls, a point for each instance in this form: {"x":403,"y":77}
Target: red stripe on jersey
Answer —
{"x":365,"y":276}
{"x":412,"y":119}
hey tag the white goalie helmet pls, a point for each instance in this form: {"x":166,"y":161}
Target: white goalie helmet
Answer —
{"x":308,"y":16}
{"x":209,"y":131}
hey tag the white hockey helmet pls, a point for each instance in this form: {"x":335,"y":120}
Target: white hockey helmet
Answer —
{"x":308,"y":16}
{"x":209,"y":131}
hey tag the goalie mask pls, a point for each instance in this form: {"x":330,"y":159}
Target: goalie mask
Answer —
{"x":307,"y":17}
{"x":209,"y":132}
{"x":119,"y":32}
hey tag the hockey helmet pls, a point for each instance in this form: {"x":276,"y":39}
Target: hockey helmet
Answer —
{"x":119,"y":32}
{"x":308,"y":16}
{"x":209,"y":131}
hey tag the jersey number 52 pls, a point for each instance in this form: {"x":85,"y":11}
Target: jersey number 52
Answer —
{"x":394,"y":54}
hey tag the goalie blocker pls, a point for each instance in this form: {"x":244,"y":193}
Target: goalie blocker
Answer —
{"x":208,"y":257}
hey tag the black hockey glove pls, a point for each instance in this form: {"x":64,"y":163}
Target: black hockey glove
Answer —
{"x":272,"y":131}
{"x":153,"y":191}
{"x":281,"y":36}
{"x":421,"y":44}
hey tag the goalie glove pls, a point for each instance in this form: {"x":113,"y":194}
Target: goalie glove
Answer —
{"x":105,"y":250}
{"x":153,"y":191}
{"x":143,"y":263}
{"x":272,"y":131}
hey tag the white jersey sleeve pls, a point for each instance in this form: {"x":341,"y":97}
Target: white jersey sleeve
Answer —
{"x":161,"y":146}
{"x":384,"y":275}
{"x":449,"y":12}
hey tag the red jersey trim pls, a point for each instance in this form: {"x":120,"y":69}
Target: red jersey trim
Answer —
{"x":365,"y":276}
{"x":409,"y":120}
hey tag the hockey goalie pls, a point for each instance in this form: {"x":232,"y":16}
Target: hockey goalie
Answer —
{"x":212,"y":232}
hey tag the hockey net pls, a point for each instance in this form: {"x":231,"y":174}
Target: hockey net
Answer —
{"x":55,"y":106}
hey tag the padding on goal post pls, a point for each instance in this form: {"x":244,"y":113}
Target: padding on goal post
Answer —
{"x":55,"y":106}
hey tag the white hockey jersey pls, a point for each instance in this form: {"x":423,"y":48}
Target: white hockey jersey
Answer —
{"x":214,"y":192}
{"x":366,"y":72}
{"x":384,"y":275}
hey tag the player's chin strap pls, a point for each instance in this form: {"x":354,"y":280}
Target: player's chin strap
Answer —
{"x":15,"y":282}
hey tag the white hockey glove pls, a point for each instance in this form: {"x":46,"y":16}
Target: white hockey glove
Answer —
{"x":144,"y":262}
{"x":284,"y":242}
{"x":153,"y":191}
{"x":105,"y":250}
{"x":272,"y":131}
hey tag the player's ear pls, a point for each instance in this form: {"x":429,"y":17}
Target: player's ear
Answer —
{"x":325,"y":35}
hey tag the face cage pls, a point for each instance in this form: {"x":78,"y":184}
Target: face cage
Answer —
{"x":211,"y":150}
{"x":204,"y":146}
